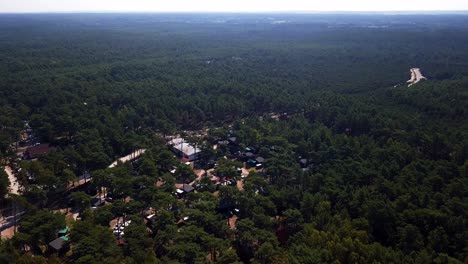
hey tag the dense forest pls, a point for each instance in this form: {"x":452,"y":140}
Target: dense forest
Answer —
{"x":356,"y":167}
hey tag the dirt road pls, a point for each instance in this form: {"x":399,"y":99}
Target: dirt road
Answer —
{"x":129,"y":157}
{"x":14,"y":186}
{"x":416,"y":76}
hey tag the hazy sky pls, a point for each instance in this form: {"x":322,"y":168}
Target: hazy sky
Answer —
{"x":229,"y":5}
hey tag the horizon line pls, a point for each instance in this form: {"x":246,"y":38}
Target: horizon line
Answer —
{"x":241,"y":12}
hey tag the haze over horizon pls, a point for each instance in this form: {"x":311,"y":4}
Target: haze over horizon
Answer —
{"x":33,"y":6}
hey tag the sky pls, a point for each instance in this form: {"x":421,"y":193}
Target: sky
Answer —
{"x":22,"y":6}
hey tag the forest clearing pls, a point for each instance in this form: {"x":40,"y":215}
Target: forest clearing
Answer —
{"x":416,"y":76}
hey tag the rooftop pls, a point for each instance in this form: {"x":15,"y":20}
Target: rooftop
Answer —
{"x":188,"y":188}
{"x":58,"y":243}
{"x":38,"y":149}
{"x":181,"y":145}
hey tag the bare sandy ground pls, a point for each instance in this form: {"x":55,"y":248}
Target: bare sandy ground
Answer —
{"x":245,"y":171}
{"x":129,"y":157}
{"x":7,"y":233}
{"x":416,"y":76}
{"x":240,"y":183}
{"x":73,"y":185}
{"x":14,"y":186}
{"x":200,"y":174}
{"x":232,"y":222}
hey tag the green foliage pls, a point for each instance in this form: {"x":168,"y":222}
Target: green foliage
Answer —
{"x":386,"y":172}
{"x":41,"y":227}
{"x":227,"y":168}
{"x":93,"y":244}
{"x":80,"y":201}
{"x":4,"y":183}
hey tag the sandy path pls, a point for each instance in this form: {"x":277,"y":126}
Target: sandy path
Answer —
{"x":8,"y":232}
{"x":14,"y":187}
{"x":129,"y":157}
{"x":232,"y":222}
{"x":416,"y":76}
{"x":240,"y":183}
{"x":200,"y":174}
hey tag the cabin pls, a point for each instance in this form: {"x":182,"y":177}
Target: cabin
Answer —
{"x":37,"y":151}
{"x":184,"y":190}
{"x":259,"y":163}
{"x":187,"y":188}
{"x":59,"y":245}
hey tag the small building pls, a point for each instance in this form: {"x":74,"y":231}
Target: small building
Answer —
{"x":37,"y":151}
{"x":59,"y":245}
{"x":260,"y":160}
{"x":96,"y":202}
{"x":187,"y":188}
{"x":184,"y":190}
{"x":184,"y":149}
